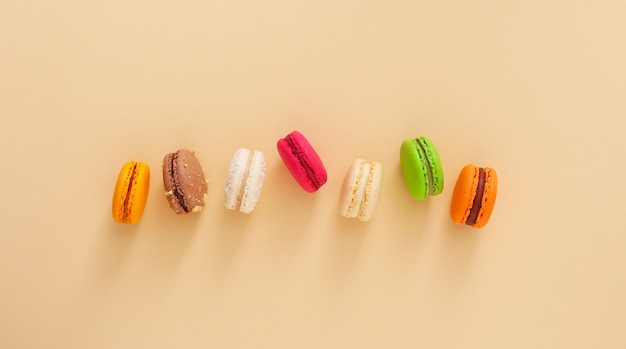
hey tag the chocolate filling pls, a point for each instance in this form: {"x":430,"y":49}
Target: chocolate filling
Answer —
{"x":471,"y":219}
{"x":175,"y":185}
{"x":303,"y":162}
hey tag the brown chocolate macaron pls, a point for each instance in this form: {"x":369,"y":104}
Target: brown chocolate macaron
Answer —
{"x":185,"y":185}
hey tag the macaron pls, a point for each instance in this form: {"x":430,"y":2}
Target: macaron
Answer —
{"x":474,"y":196}
{"x":184,"y":182}
{"x":302,"y":161}
{"x":421,"y":168}
{"x":361,"y":190}
{"x":131,"y":192}
{"x":245,"y":180}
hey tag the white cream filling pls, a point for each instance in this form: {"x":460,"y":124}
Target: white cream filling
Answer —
{"x":253,"y":182}
{"x":359,"y":194}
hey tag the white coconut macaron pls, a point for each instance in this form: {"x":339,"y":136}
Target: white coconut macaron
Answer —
{"x":245,"y":180}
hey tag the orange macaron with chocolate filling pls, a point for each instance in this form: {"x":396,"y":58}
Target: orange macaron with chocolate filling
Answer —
{"x":474,"y":196}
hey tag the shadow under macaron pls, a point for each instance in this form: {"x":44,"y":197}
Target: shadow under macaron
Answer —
{"x":410,"y":217}
{"x":344,"y":244}
{"x":228,"y":231}
{"x":112,"y":245}
{"x":285,"y":205}
{"x":458,"y":247}
{"x":170,"y":235}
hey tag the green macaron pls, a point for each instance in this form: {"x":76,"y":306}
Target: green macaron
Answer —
{"x":421,"y":168}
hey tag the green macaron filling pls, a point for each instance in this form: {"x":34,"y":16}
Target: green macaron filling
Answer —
{"x":434,"y":165}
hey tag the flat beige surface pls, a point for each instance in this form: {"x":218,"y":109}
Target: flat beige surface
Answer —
{"x":535,"y":89}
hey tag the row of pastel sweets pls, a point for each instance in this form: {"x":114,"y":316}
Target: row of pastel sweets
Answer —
{"x":186,"y":186}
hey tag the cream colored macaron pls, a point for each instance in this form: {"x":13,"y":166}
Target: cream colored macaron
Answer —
{"x":361,"y":190}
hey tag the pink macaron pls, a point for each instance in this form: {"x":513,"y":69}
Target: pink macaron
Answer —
{"x":302,"y":161}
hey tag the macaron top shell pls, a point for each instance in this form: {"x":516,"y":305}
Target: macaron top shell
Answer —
{"x":361,"y":190}
{"x":245,"y":180}
{"x":184,"y":182}
{"x":131,"y":192}
{"x":467,"y":194}
{"x":421,"y":168}
{"x":302,"y":161}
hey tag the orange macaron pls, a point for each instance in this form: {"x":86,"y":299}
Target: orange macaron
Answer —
{"x":474,"y":196}
{"x":131,"y":192}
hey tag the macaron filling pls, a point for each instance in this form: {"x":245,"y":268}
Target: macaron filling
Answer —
{"x":422,"y":152}
{"x":429,"y":171}
{"x":476,"y":203}
{"x":244,"y":182}
{"x":176,"y":188}
{"x":359,"y":195}
{"x":368,"y":188}
{"x":305,"y":165}
{"x":126,"y":207}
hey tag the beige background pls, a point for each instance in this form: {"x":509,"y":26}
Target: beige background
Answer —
{"x":535,"y":89}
